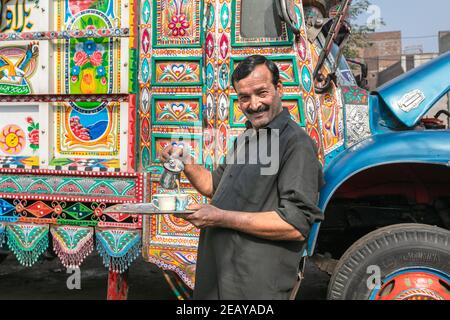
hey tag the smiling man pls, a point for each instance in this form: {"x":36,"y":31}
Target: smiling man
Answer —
{"x":255,"y":229}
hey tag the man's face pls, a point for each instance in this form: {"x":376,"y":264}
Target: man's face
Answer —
{"x":258,"y":98}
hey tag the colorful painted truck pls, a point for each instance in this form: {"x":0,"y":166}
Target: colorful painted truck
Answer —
{"x":93,"y":90}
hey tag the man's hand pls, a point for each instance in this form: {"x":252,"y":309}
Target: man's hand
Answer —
{"x":174,"y":151}
{"x":205,"y":216}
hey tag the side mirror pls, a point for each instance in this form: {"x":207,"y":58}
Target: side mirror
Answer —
{"x":361,"y":80}
{"x":287,"y":13}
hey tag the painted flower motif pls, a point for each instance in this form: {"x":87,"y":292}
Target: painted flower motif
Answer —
{"x":98,"y":212}
{"x":58,"y":210}
{"x":178,"y":25}
{"x":33,"y":136}
{"x":33,"y":133}
{"x":20,"y":208}
{"x":96,"y":58}
{"x":76,"y":70}
{"x":101,"y":72}
{"x":80,"y":58}
{"x":89,"y":47}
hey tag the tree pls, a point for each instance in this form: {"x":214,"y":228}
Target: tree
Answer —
{"x":358,"y":37}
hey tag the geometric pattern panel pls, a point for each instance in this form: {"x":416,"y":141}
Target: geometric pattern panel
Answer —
{"x":37,"y":184}
{"x":183,"y":110}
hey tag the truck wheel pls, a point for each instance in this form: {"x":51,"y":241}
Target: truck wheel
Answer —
{"x":398,"y":262}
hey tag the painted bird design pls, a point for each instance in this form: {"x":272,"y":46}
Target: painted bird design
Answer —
{"x":9,"y":69}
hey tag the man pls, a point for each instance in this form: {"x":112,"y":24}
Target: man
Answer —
{"x":255,"y":229}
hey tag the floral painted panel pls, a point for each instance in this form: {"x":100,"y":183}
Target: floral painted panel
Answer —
{"x":88,"y":66}
{"x":183,"y":110}
{"x":175,"y":72}
{"x":178,"y":23}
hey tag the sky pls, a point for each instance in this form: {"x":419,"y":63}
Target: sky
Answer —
{"x":418,"y":20}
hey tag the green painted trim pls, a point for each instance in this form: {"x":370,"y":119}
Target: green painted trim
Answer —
{"x":293,"y":59}
{"x":174,"y":98}
{"x":81,"y":223}
{"x":301,"y":113}
{"x":181,"y":135}
{"x":172,"y":84}
{"x":133,"y":71}
{"x":232,"y":124}
{"x":259,"y":43}
{"x":155,"y":30}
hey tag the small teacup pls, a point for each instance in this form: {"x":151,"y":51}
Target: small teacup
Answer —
{"x":182,"y":202}
{"x":164,"y":202}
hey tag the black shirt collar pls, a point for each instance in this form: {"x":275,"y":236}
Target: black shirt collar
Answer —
{"x":279,"y":122}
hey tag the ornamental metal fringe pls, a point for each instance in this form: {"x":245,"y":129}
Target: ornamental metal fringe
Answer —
{"x":72,"y":244}
{"x":27,"y":242}
{"x":118,"y":248}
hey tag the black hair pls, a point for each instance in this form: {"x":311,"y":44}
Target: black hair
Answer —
{"x":250,"y":63}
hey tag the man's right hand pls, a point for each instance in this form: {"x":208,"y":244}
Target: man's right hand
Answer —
{"x":175,"y":151}
{"x":199,"y":177}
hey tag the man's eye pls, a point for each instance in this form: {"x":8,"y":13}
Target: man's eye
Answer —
{"x":243,"y":99}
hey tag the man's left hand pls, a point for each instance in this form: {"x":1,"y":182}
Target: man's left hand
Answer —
{"x":205,"y":215}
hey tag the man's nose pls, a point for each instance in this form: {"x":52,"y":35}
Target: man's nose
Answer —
{"x":255,"y":103}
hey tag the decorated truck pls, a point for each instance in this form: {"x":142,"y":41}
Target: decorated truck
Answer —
{"x":93,"y":90}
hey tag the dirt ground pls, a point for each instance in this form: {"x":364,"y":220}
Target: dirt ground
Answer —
{"x":47,"y":280}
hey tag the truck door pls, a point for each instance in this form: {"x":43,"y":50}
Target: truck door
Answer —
{"x":188,"y":52}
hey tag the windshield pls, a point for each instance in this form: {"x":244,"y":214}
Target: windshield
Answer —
{"x":344,"y":73}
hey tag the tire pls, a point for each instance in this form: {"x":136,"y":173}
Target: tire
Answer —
{"x":401,"y":254}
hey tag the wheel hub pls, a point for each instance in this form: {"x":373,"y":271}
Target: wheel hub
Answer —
{"x":414,"y":285}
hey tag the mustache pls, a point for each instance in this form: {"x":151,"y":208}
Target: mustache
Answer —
{"x":262,"y":108}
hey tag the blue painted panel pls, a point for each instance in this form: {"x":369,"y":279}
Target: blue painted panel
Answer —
{"x":431,"y":80}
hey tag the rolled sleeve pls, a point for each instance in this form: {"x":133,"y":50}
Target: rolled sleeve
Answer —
{"x":299,"y":181}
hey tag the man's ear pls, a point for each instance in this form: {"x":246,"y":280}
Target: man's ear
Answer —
{"x":279,"y":87}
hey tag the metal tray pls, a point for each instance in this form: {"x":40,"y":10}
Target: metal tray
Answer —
{"x":141,"y":208}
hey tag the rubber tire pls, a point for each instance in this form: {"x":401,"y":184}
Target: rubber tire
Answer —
{"x":391,"y":248}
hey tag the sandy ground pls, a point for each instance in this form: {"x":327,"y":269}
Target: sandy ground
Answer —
{"x":47,"y":280}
